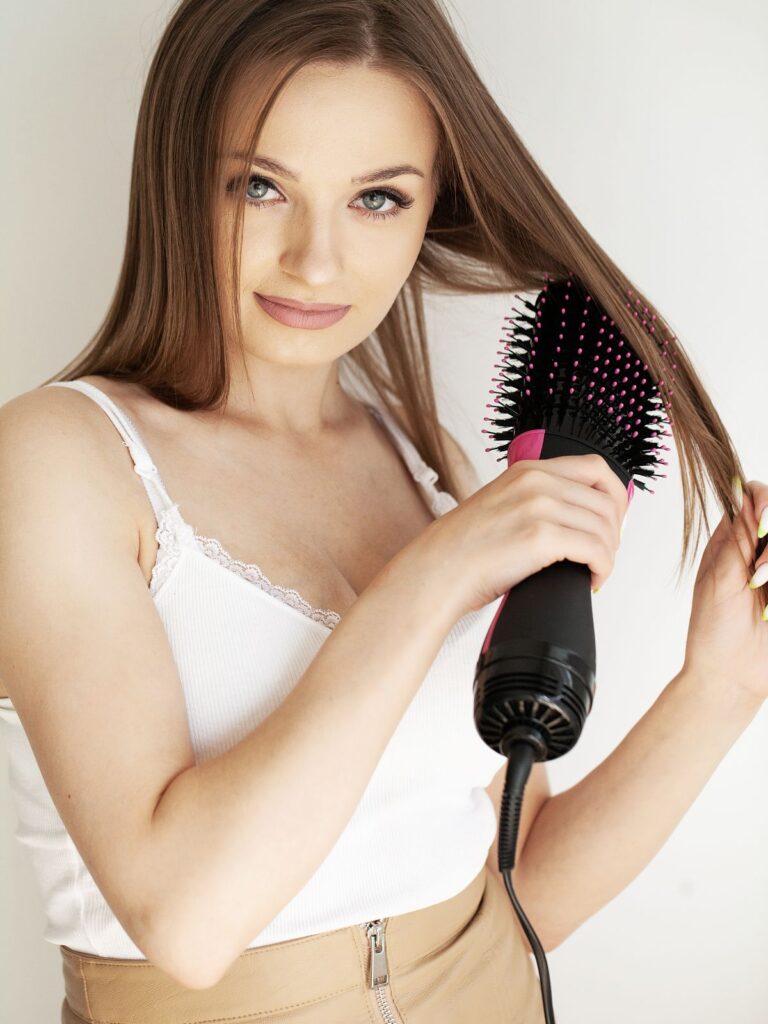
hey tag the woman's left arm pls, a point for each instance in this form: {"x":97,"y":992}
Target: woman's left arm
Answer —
{"x":589,"y":842}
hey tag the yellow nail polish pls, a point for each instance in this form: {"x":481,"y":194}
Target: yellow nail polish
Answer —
{"x":738,"y":491}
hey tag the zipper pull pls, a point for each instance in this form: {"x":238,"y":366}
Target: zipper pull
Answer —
{"x":379,"y":967}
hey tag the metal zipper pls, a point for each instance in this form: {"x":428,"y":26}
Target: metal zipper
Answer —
{"x":379,"y":970}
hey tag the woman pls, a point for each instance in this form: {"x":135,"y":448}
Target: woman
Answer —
{"x":258,"y":789}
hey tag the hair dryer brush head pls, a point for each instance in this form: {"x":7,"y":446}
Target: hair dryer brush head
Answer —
{"x":569,"y":371}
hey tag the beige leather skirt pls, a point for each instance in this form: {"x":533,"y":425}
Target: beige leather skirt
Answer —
{"x":456,"y":962}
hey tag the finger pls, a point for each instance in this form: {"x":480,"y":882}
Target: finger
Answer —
{"x":594,"y":471}
{"x":730,"y":548}
{"x":621,"y":493}
{"x":745,"y":530}
{"x":759,"y":492}
{"x":759,"y":552}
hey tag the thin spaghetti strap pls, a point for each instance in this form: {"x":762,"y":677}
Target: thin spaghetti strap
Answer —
{"x":425,"y":476}
{"x":142,"y":461}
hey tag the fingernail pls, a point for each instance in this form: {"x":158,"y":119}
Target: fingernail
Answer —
{"x":762,"y":527}
{"x":738,"y":491}
{"x":760,"y":577}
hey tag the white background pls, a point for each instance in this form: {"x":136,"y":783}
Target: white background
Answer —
{"x":650,"y":119}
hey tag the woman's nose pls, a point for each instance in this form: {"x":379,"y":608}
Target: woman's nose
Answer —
{"x":313,"y":248}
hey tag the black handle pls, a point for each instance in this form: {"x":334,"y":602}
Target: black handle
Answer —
{"x":536,"y":669}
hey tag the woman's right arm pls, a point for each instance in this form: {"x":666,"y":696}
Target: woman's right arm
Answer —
{"x":193,"y":859}
{"x":236,"y":838}
{"x":196,"y":859}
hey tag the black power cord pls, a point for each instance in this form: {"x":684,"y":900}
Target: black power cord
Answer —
{"x":531,"y":699}
{"x":523,"y":745}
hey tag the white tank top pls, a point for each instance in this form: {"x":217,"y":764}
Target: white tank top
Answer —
{"x":424,"y":825}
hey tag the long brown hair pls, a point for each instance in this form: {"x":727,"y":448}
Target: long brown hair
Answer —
{"x":498,"y":223}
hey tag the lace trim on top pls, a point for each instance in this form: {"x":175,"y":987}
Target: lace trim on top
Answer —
{"x":213,"y":549}
{"x":167,"y":535}
{"x":169,"y":545}
{"x":173,"y":532}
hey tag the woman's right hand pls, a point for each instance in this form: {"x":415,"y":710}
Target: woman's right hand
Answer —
{"x":536,"y":512}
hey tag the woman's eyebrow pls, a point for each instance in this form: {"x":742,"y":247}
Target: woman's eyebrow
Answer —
{"x":383,"y":172}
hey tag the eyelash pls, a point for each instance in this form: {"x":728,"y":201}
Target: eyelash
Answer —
{"x":402,"y":201}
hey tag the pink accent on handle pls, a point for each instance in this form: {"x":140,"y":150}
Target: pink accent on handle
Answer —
{"x":489,"y":634}
{"x":527,"y":445}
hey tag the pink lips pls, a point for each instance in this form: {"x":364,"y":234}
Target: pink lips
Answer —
{"x":312,"y":318}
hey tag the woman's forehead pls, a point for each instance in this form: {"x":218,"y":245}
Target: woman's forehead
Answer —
{"x":356,"y":113}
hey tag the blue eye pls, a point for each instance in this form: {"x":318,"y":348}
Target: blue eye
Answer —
{"x":400,"y":200}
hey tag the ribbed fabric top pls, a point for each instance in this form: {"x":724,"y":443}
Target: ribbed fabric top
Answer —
{"x":424,"y":825}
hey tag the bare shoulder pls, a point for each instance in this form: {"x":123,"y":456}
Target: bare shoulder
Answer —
{"x":463,"y":468}
{"x":57,"y":444}
{"x":48,"y":412}
{"x":38,"y":426}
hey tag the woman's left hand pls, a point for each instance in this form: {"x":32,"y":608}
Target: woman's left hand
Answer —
{"x":727,"y":635}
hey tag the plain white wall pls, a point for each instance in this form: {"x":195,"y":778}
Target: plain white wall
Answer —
{"x":649,"y":118}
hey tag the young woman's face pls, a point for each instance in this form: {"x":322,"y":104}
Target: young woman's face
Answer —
{"x":320,"y":237}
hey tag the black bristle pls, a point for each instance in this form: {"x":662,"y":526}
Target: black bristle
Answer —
{"x":602,"y":395}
